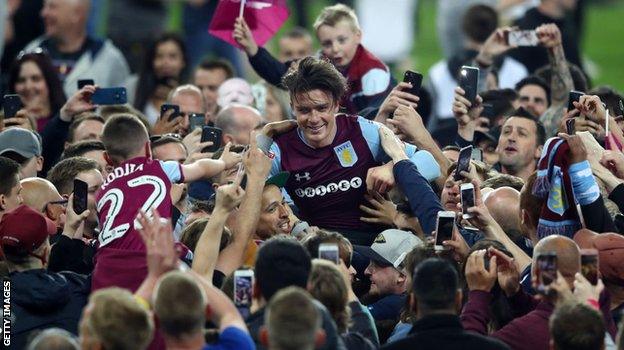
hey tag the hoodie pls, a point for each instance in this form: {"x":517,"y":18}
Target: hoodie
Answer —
{"x":42,"y":299}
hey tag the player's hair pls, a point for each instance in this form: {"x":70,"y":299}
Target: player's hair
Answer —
{"x":534,"y":80}
{"x":118,"y":321}
{"x":124,"y":136}
{"x":479,"y":22}
{"x":214,"y":64}
{"x":576,"y":326}
{"x":327,"y":285}
{"x":62,"y":175}
{"x":79,"y":120}
{"x":451,"y":148}
{"x":80,"y":148}
{"x":9,"y":175}
{"x":313,"y":241}
{"x":191,"y":234}
{"x":523,"y":113}
{"x":315,"y":74}
{"x":292,"y":320}
{"x":332,"y":15}
{"x":161,"y":140}
{"x":179,"y":304}
{"x":483,"y":169}
{"x":503,"y":180}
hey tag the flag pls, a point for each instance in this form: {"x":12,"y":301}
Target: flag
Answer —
{"x":264,"y":18}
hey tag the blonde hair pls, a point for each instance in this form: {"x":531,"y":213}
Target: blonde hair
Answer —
{"x":117,"y":320}
{"x":332,"y":15}
{"x":327,"y":285}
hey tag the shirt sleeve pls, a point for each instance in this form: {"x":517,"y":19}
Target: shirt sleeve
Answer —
{"x":233,"y":338}
{"x":276,"y":164}
{"x":424,"y":161}
{"x":375,"y":81}
{"x":173,"y":170}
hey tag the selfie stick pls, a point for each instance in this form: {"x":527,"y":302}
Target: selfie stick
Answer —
{"x":242,"y":7}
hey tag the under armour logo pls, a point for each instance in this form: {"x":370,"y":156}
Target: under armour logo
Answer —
{"x":305,"y":176}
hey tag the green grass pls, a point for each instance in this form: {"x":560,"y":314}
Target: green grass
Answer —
{"x":603,"y":44}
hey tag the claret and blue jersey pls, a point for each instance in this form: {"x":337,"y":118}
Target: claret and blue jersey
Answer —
{"x":328,"y":184}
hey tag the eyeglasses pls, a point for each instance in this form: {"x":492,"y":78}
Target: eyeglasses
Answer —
{"x":155,"y":138}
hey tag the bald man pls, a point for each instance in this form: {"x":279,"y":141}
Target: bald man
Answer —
{"x":74,"y":53}
{"x":41,"y":195}
{"x":504,"y":205}
{"x":191,"y":100}
{"x":531,"y":330}
{"x":237,"y":122}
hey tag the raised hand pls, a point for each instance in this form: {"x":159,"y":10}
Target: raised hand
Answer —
{"x":243,"y":36}
{"x":78,"y":103}
{"x":477,"y":276}
{"x":230,"y":158}
{"x":157,"y":235}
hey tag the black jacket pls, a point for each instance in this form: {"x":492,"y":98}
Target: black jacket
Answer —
{"x":42,"y":299}
{"x":441,"y":332}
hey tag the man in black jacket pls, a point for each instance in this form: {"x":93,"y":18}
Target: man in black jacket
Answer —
{"x":39,"y":299}
{"x":436,"y":298}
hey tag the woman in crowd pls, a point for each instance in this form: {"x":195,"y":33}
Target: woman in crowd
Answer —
{"x":34,"y":79}
{"x":165,"y":69}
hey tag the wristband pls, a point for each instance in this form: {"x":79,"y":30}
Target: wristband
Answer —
{"x":142,"y":302}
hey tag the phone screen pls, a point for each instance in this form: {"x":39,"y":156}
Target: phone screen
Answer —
{"x":444,"y":231}
{"x":589,"y":265}
{"x":573,"y":96}
{"x":570,"y":126}
{"x":196,"y":120}
{"x":546,"y":270}
{"x":84,"y":82}
{"x":243,"y":291}
{"x":522,"y":38}
{"x":11,"y":104}
{"x":463,"y":162}
{"x":467,"y":199}
{"x":81,"y":190}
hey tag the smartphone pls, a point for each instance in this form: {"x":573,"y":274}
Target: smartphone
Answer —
{"x":522,"y":38}
{"x":243,"y":291}
{"x":444,"y":228}
{"x":329,"y":251}
{"x":570,"y":126}
{"x":81,"y":190}
{"x":573,"y":96}
{"x":84,"y":82}
{"x":589,"y":265}
{"x":469,"y":80}
{"x":463,"y":162}
{"x":11,"y":104}
{"x":546,"y":270}
{"x":467,"y":194}
{"x":212,"y":134}
{"x":166,"y":107}
{"x":196,"y":120}
{"x":110,"y":96}
{"x":415,"y":79}
{"x":477,"y":154}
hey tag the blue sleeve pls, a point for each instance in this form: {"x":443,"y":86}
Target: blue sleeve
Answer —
{"x":423,"y":160}
{"x":584,"y":185}
{"x":173,"y":170}
{"x":424,"y":203}
{"x":276,"y":164}
{"x":233,"y":338}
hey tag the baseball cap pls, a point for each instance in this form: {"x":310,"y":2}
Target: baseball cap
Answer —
{"x":278,"y":179}
{"x":610,"y":248}
{"x":390,"y":247}
{"x":23,"y":230}
{"x":21,"y":141}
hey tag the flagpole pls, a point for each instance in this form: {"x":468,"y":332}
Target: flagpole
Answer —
{"x":242,"y":7}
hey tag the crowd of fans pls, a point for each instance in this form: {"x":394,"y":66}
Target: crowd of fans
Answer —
{"x":312,"y":218}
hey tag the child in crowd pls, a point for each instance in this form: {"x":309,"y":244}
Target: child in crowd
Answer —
{"x":137,"y":183}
